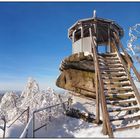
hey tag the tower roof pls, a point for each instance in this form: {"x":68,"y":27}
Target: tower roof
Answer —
{"x":102,"y":27}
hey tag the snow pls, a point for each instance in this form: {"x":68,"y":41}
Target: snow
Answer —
{"x":15,"y":130}
{"x":59,"y":125}
{"x":67,"y":127}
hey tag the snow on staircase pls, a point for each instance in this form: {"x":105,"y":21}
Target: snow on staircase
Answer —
{"x":122,"y":105}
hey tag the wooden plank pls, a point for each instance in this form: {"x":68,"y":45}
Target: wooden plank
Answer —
{"x":113,"y":79}
{"x":126,"y":127}
{"x":123,"y":109}
{"x":127,"y":117}
{"x":119,"y":96}
{"x":117,"y":84}
{"x":109,"y":61}
{"x":113,"y":66}
{"x":115,"y":92}
{"x":105,"y":58}
{"x":113,"y":74}
{"x":121,"y":101}
{"x":108,"y":54}
{"x":126,"y":88}
{"x":112,"y":70}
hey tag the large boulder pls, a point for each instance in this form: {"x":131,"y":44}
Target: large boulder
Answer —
{"x":77,"y":74}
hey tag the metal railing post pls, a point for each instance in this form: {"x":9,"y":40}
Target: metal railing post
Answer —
{"x":28,"y":115}
{"x":33,"y":134}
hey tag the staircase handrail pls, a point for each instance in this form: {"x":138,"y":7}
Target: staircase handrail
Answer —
{"x":128,"y":73}
{"x":127,"y":56}
{"x":105,"y":115}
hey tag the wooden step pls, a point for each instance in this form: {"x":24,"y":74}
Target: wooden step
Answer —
{"x":126,"y":88}
{"x":108,"y":54}
{"x":119,"y":84}
{"x":132,"y":100}
{"x":102,"y":64}
{"x":112,"y":58}
{"x":126,"y":127}
{"x":115,"y":79}
{"x":112,"y":62}
{"x":113,"y":65}
{"x":109,"y":62}
{"x":112,"y":70}
{"x":123,"y":108}
{"x":104,"y":74}
{"x":126,"y":117}
{"x":119,"y":96}
{"x":107,"y":58}
{"x":117,"y":91}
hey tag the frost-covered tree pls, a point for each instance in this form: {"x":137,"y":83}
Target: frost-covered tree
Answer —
{"x":133,"y":45}
{"x":12,"y":105}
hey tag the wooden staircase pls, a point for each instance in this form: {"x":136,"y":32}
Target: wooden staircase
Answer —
{"x":115,"y":88}
{"x":122,"y":104}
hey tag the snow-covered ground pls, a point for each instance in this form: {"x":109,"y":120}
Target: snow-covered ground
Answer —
{"x":58,"y":127}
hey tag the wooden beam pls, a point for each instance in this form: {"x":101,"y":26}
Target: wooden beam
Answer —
{"x":105,"y":114}
{"x":97,"y":98}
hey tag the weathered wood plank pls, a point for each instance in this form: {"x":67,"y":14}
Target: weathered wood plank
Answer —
{"x":123,"y":109}
{"x":126,"y":127}
{"x":127,"y":117}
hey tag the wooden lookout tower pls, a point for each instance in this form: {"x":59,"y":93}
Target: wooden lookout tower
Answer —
{"x":116,"y":92}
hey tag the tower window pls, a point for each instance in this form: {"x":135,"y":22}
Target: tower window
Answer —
{"x":77,"y":35}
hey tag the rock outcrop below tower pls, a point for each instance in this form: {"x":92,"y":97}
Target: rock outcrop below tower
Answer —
{"x":77,"y":74}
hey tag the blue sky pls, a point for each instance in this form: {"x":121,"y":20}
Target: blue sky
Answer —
{"x":33,"y":37}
